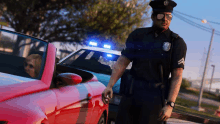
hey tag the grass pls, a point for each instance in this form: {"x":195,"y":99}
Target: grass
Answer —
{"x":204,"y":95}
{"x":185,"y":106}
{"x":188,"y":103}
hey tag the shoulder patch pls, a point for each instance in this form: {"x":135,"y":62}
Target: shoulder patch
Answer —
{"x":181,"y":61}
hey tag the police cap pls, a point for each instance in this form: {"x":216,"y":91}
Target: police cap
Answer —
{"x":162,"y":5}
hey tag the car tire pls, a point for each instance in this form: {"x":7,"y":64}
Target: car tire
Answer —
{"x":102,"y":119}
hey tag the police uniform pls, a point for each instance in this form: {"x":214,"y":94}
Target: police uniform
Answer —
{"x":148,"y":50}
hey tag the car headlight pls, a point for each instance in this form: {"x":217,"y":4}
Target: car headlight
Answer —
{"x":115,"y":99}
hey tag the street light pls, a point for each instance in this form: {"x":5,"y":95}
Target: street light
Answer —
{"x":205,"y":69}
{"x":212,"y":76}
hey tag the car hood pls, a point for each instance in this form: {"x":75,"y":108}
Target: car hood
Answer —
{"x":12,"y":86}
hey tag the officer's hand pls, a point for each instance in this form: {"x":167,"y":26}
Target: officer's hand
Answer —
{"x":107,"y":94}
{"x":165,"y":113}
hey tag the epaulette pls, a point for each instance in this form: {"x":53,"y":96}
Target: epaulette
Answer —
{"x":175,"y":35}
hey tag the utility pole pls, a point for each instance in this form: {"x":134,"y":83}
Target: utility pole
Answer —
{"x":202,"y":65}
{"x":204,"y":74}
{"x":212,"y":77}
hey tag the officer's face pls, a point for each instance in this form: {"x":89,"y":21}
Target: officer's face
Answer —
{"x":162,"y":20}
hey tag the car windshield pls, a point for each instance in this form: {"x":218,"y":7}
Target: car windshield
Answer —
{"x":91,"y":60}
{"x":21,"y":55}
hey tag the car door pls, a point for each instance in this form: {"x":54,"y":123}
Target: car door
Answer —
{"x":74,"y":105}
{"x":86,"y":97}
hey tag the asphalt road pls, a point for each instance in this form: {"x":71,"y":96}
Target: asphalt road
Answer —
{"x":178,"y":121}
{"x":195,"y":98}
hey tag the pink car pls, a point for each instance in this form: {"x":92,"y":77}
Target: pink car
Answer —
{"x":31,"y":92}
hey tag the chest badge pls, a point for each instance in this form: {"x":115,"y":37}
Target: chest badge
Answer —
{"x":166,"y":46}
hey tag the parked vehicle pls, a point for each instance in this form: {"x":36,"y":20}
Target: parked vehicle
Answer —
{"x":29,"y":90}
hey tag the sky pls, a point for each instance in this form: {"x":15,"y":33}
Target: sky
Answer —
{"x":196,"y":39}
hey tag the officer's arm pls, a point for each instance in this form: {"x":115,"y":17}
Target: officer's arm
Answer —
{"x":118,"y":69}
{"x":176,"y":80}
{"x":178,"y":62}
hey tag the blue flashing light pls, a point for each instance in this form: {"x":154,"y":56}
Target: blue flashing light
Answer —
{"x":93,"y":43}
{"x":109,"y":55}
{"x":107,"y":46}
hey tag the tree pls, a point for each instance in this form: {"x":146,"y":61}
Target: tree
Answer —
{"x":115,"y":19}
{"x":185,"y":83}
{"x":30,"y":16}
{"x":76,"y":20}
{"x":50,"y":20}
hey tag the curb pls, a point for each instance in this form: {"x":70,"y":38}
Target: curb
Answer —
{"x":193,"y":118}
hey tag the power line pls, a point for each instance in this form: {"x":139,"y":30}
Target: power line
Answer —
{"x":192,"y":23}
{"x":195,"y":24}
{"x":188,"y":15}
{"x":196,"y":17}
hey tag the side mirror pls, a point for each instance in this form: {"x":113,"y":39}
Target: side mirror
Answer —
{"x":69,"y":78}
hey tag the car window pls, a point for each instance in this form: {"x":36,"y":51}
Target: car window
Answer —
{"x":96,"y":61}
{"x":23,"y":55}
{"x":73,"y":57}
{"x":89,"y":55}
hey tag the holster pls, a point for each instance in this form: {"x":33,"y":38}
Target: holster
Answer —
{"x":126,"y":85}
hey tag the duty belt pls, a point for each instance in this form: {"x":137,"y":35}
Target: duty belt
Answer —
{"x":148,"y":84}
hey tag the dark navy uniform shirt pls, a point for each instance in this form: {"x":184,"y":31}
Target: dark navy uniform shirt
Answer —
{"x":147,"y":50}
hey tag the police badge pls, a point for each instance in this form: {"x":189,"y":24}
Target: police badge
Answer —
{"x":166,"y":46}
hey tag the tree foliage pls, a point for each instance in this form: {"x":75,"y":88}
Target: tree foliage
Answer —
{"x":76,"y":20}
{"x":185,"y":83}
{"x":115,"y":19}
{"x":26,"y":16}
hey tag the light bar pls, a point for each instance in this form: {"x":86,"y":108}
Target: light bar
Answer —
{"x":93,"y":43}
{"x":109,"y":55}
{"x":107,"y":46}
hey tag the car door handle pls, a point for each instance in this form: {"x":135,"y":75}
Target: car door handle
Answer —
{"x":89,"y":96}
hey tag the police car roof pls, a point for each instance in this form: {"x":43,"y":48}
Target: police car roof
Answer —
{"x":103,"y":50}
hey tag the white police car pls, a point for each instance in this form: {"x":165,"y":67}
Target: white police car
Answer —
{"x":99,"y":62}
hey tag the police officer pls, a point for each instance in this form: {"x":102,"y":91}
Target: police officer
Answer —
{"x":155,"y":52}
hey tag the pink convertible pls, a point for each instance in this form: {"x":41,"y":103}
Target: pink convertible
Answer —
{"x":33,"y":92}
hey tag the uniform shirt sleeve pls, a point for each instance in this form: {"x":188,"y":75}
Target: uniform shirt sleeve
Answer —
{"x":129,"y":50}
{"x":178,"y":53}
